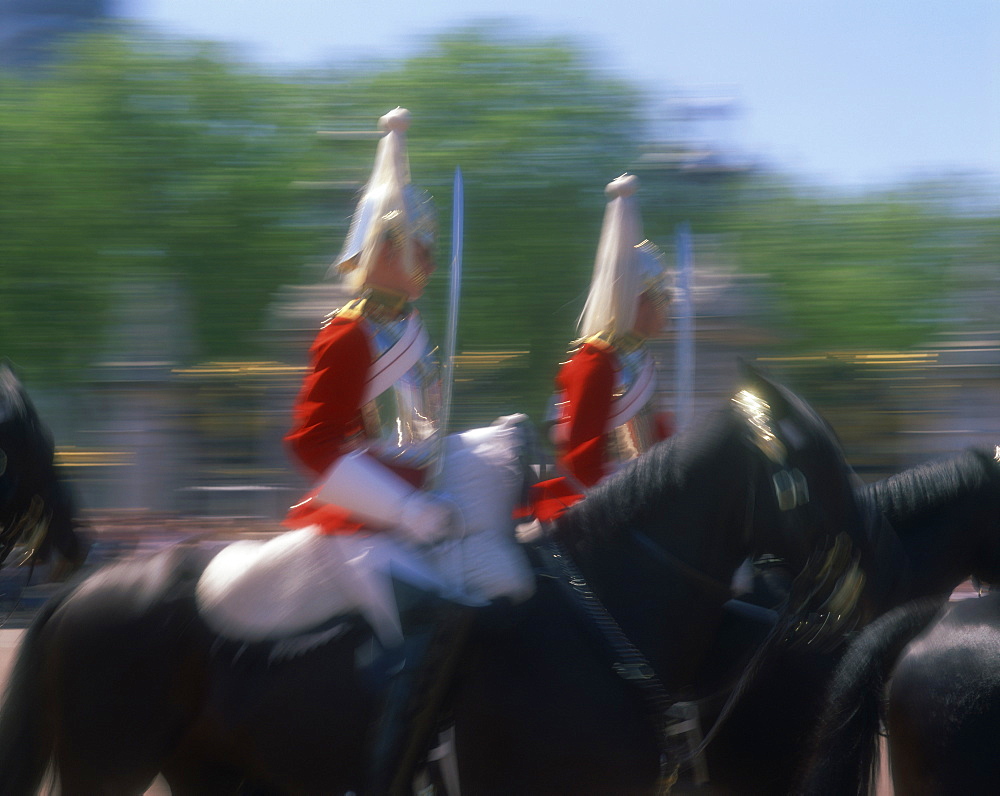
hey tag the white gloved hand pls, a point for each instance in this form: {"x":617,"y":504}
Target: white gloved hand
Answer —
{"x":428,"y":517}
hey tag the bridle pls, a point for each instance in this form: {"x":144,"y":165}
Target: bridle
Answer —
{"x":836,"y":569}
{"x":835,"y":566}
{"x":791,"y":493}
{"x":791,"y":490}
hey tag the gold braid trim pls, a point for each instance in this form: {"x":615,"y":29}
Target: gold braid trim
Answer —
{"x":375,"y":303}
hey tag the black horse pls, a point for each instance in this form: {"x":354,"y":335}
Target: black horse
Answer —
{"x":927,"y":529}
{"x":944,"y":697}
{"x":119,"y":679}
{"x":37,"y":511}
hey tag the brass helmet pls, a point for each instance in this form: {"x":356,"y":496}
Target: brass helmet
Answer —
{"x":653,"y":274}
{"x":389,"y":205}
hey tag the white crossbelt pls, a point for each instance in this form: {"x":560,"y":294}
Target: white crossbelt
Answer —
{"x":394,"y":363}
{"x":625,"y":406}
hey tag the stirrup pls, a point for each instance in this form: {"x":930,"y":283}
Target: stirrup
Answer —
{"x":444,"y":758}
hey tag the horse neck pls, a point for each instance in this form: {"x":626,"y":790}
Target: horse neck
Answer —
{"x":661,"y":510}
{"x":660,"y":560}
{"x":946,"y":516}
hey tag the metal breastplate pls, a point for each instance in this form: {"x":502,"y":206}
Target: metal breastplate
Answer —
{"x":402,"y":422}
{"x":638,"y":433}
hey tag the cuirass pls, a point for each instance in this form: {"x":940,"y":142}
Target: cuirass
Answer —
{"x":638,"y":433}
{"x":403,"y":421}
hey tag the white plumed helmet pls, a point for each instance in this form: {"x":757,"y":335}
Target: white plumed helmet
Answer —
{"x":626,"y":265}
{"x":389,"y":205}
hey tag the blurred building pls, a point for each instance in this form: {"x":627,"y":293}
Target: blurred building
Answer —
{"x":698,"y":136}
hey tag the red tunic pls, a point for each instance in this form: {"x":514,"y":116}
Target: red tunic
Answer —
{"x":586,"y":384}
{"x":327,"y":416}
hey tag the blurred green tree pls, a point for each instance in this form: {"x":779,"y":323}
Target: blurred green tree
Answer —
{"x":120,"y":162}
{"x":133,"y":156}
{"x":871,"y":272}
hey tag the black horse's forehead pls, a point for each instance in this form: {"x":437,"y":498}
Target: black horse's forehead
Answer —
{"x":756,"y":413}
{"x":793,"y":433}
{"x":12,"y":404}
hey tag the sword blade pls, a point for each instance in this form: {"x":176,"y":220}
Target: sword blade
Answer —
{"x":454,"y":299}
{"x":684,"y":314}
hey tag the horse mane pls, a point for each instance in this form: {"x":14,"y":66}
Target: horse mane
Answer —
{"x":844,"y":744}
{"x":647,"y":488}
{"x":907,"y":499}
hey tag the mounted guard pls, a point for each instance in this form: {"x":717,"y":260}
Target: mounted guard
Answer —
{"x":606,"y":403}
{"x":398,"y":509}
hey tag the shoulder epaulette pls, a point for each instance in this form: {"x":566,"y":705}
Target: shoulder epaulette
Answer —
{"x":600,"y":340}
{"x":353,"y":309}
{"x":350,"y":311}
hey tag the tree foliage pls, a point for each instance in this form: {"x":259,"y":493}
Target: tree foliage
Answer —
{"x":133,"y":158}
{"x":119,"y":164}
{"x":853,"y":274}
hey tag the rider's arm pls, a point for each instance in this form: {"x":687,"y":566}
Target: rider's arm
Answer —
{"x":587,"y":384}
{"x":327,"y":411}
{"x":327,"y":414}
{"x":372,"y":492}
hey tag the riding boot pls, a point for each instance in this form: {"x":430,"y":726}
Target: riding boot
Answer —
{"x":432,"y":647}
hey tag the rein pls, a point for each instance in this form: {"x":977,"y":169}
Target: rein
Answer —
{"x":629,"y":662}
{"x":791,"y":491}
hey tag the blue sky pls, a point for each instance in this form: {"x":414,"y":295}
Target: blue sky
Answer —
{"x":851,"y":93}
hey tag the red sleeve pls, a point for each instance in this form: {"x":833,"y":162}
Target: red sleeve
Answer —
{"x":327,"y":410}
{"x":587,"y":383}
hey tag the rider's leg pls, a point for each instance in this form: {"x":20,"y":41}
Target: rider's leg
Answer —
{"x":435,"y":633}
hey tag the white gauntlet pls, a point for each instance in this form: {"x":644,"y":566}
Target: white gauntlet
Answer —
{"x":426,"y":518}
{"x":366,"y":487}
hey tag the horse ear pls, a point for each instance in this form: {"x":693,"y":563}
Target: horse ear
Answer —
{"x":752,"y":378}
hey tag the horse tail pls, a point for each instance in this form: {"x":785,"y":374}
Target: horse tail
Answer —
{"x":25,"y":737}
{"x":845,"y":745}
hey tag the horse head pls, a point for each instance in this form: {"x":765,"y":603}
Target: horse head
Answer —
{"x":26,"y":469}
{"x":660,"y":541}
{"x":990,"y":558}
{"x":817,"y":524}
{"x":12,"y":438}
{"x":810,"y":502}
{"x":764,"y":473}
